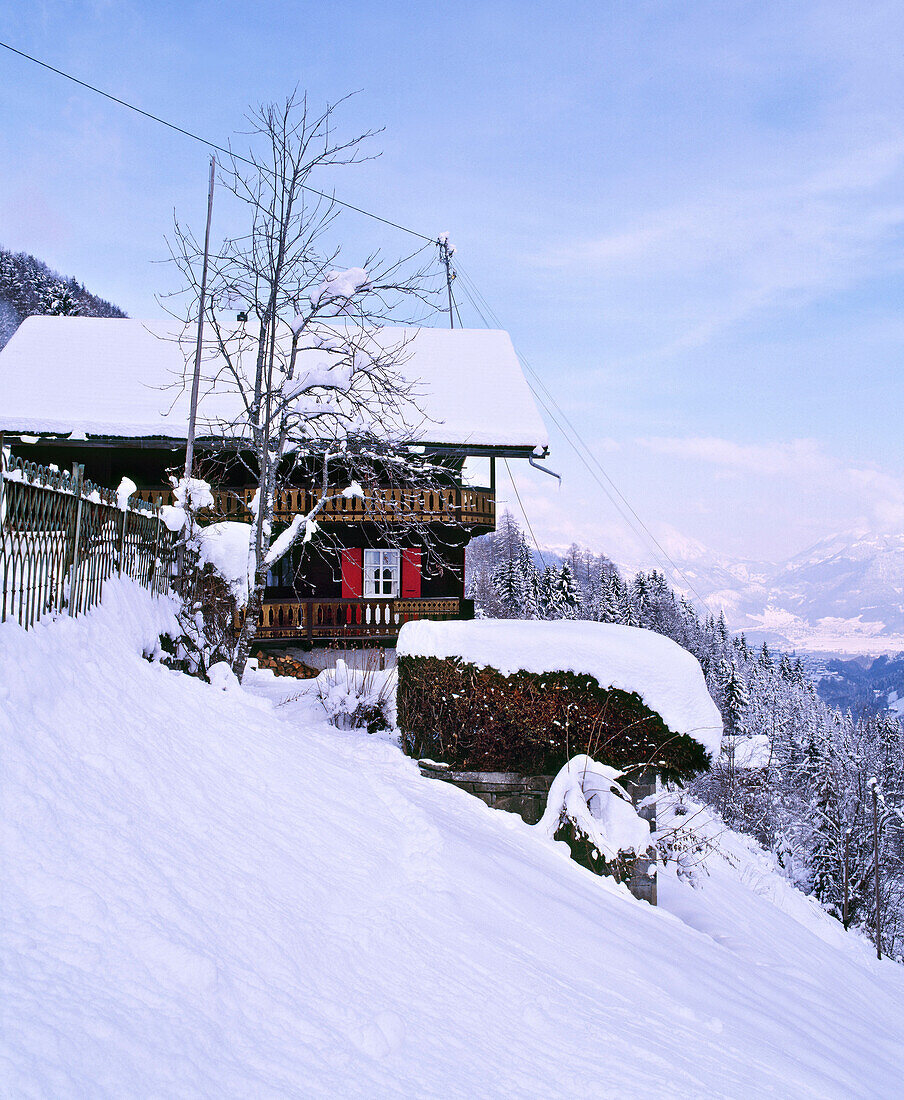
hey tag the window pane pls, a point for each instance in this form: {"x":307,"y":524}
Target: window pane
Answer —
{"x":381,"y":573}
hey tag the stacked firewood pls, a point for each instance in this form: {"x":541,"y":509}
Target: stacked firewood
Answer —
{"x":283,"y":665}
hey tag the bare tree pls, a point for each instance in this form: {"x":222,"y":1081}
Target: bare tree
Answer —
{"x":316,"y":393}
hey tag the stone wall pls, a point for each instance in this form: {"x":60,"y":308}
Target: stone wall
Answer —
{"x":527,"y":794}
{"x":520,"y":794}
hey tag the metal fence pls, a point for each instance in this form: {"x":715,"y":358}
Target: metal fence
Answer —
{"x":62,"y":538}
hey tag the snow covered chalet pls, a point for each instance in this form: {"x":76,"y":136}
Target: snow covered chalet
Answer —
{"x":110,"y":394}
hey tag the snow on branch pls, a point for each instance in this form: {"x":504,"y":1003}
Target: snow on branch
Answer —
{"x":339,"y":287}
{"x":284,"y":542}
{"x":191,"y":495}
{"x":588,"y":794}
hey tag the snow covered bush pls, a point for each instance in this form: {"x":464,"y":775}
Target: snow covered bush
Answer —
{"x":590,"y":810}
{"x":494,"y":695}
{"x":214,"y":580}
{"x":358,"y":698}
{"x":678,"y":841}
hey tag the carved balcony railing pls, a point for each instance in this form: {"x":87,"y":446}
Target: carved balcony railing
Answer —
{"x":311,"y":620}
{"x":471,"y":507}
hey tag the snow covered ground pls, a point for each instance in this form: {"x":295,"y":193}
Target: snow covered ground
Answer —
{"x":209,"y":894}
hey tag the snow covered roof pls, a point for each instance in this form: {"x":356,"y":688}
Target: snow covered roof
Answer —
{"x":124,"y":378}
{"x":667,"y":678}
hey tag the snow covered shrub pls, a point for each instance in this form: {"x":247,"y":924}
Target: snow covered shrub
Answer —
{"x":744,"y":797}
{"x":590,"y":810}
{"x":206,"y":619}
{"x":220,"y":675}
{"x":358,"y":698}
{"x":214,"y":583}
{"x":677,"y":840}
{"x":479,"y":719}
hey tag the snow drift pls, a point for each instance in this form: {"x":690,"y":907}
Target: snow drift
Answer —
{"x":209,"y":894}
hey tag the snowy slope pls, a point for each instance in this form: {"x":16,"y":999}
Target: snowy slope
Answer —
{"x":208,"y":895}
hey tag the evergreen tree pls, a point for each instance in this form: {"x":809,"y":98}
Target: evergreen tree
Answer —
{"x":546,"y":593}
{"x":480,"y":590}
{"x":571,"y":596}
{"x":826,"y":852}
{"x":637,"y":601}
{"x":609,"y":603}
{"x":530,"y":582}
{"x":61,"y":303}
{"x":28,"y":287}
{"x":508,"y":586}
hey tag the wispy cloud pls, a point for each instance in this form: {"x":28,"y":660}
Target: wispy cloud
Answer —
{"x":696,"y":267}
{"x":803,"y":462}
{"x":799,"y":458}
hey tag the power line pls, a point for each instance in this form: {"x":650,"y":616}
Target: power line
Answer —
{"x":524,"y":512}
{"x":577,"y":443}
{"x":680,"y":573}
{"x":470,"y":289}
{"x":205,"y":141}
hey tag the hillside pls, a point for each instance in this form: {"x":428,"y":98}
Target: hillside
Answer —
{"x":29,"y":287}
{"x":863,"y":685}
{"x":210,"y":894}
{"x":843,"y":594}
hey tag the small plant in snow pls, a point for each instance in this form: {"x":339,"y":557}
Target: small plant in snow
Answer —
{"x":358,"y":698}
{"x":680,"y":838}
{"x":590,"y":810}
{"x":209,"y":590}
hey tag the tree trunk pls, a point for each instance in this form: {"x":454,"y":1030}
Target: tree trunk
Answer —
{"x":249,"y":626}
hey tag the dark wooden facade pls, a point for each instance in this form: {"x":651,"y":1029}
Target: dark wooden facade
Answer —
{"x":319,"y":596}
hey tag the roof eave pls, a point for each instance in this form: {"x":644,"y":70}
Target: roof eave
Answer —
{"x":170,"y":442}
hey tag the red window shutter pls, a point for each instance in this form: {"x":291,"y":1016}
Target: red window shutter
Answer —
{"x":411,"y":574}
{"x":352,"y":574}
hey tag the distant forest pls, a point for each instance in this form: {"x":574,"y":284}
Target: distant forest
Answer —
{"x":29,"y":287}
{"x":796,"y":773}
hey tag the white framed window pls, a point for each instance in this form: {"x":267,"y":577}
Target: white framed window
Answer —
{"x":381,"y":573}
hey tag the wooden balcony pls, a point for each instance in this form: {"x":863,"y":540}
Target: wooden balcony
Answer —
{"x":471,"y":507}
{"x":313,"y":620}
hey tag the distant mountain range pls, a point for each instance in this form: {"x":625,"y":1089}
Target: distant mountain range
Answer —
{"x":839,"y":605}
{"x":843,"y":595}
{"x":862,"y":685}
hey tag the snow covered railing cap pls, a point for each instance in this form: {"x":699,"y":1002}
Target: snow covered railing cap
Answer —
{"x":668,"y":679}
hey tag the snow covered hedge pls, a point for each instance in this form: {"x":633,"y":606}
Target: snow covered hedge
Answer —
{"x":525,"y":696}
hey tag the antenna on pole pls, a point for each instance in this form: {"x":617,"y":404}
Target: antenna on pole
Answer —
{"x":446,"y":251}
{"x":196,"y":379}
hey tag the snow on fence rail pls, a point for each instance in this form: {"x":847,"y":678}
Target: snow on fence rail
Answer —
{"x":62,"y":537}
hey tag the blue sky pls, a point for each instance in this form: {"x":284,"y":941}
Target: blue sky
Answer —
{"x":690,"y":216}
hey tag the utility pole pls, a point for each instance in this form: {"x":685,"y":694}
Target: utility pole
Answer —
{"x":445,"y":254}
{"x":874,"y":784}
{"x":196,"y":380}
{"x":847,"y":852}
